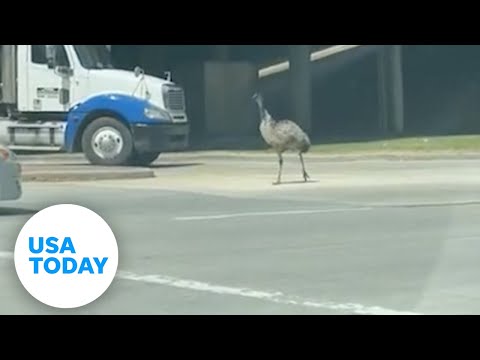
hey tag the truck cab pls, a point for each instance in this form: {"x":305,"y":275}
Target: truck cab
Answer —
{"x":50,"y":96}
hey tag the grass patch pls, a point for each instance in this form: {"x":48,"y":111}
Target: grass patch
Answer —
{"x":454,"y":144}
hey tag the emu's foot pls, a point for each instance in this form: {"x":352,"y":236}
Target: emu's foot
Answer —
{"x":276,"y":183}
{"x":306,"y":177}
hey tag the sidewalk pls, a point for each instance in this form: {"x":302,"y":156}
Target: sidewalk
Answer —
{"x":267,"y":154}
{"x":74,"y":167}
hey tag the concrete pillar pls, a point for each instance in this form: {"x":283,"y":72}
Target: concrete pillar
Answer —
{"x":383,"y":99}
{"x":301,"y":85}
{"x":390,"y":82}
{"x":395,"y":57}
{"x":221,"y":52}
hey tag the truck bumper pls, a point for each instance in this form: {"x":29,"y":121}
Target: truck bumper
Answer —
{"x":161,"y":137}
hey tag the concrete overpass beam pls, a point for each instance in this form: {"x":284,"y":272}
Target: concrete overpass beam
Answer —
{"x":301,"y":85}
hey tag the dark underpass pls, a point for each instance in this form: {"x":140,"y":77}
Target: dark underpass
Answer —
{"x":441,"y":86}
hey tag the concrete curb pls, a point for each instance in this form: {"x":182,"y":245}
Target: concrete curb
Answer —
{"x":58,"y":175}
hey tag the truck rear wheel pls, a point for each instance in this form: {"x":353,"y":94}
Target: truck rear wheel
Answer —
{"x":144,"y":159}
{"x":106,"y":141}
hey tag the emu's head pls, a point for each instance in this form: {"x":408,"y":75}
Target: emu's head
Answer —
{"x":264,"y":115}
{"x":258,"y":98}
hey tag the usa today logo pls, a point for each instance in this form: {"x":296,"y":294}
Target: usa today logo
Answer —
{"x":66,"y":256}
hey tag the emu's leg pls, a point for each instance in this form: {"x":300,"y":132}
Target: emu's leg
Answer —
{"x":305,"y":175}
{"x":280,"y":168}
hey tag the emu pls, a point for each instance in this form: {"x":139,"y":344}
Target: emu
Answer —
{"x":282,"y":136}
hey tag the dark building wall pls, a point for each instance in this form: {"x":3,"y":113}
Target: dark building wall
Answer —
{"x":441,"y":92}
{"x":441,"y":84}
{"x":442,"y":88}
{"x":344,"y":94}
{"x":345,"y":102}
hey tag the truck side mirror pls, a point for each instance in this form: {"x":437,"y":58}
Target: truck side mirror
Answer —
{"x":63,"y":71}
{"x":50,"y":63}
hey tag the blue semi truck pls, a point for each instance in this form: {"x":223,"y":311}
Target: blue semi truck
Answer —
{"x":70,"y":98}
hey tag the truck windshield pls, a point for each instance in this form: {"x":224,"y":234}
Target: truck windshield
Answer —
{"x":94,"y":56}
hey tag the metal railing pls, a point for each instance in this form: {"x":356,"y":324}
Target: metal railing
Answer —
{"x":315,"y":56}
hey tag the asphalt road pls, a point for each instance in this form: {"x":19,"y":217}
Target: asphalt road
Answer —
{"x":364,"y":238}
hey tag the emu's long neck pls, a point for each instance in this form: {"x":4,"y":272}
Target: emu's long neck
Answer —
{"x":264,"y":114}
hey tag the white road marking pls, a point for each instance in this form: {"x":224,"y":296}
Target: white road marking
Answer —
{"x":274,"y":297}
{"x":6,"y":255}
{"x":268,"y":213}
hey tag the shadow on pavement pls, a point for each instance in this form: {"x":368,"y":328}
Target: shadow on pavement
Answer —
{"x":14,"y":211}
{"x":295,"y":182}
{"x":173,"y":165}
{"x":89,"y":166}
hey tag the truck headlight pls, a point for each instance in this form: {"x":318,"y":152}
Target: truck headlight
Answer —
{"x":156,"y":113}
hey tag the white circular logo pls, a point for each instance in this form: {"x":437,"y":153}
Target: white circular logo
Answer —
{"x":66,"y":256}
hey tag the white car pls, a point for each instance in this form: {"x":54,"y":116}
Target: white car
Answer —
{"x":10,"y":175}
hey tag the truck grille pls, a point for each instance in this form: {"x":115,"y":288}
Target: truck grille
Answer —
{"x":175,"y":99}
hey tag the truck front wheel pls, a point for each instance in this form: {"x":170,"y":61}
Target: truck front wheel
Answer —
{"x":106,"y":141}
